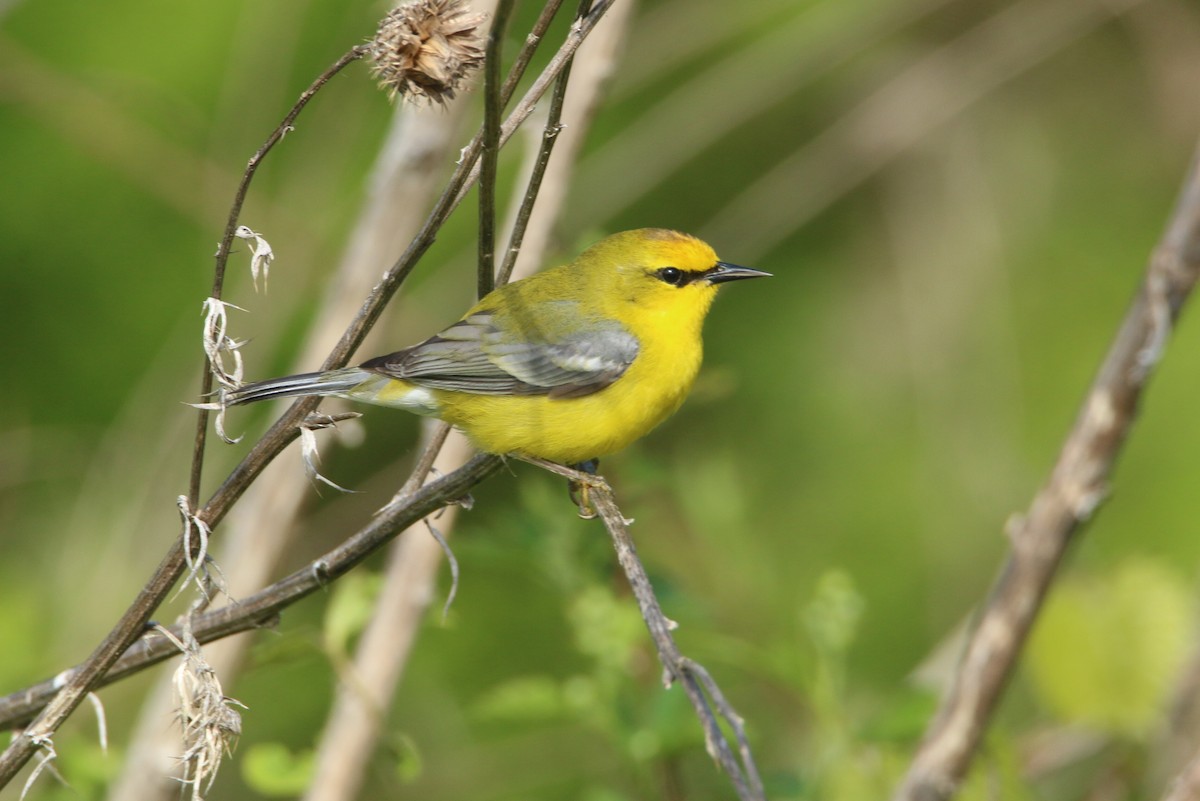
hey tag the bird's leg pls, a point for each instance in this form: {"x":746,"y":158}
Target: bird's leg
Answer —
{"x":580,"y":477}
{"x":578,"y":490}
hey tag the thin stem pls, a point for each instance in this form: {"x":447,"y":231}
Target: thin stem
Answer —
{"x":700,"y":687}
{"x":702,"y":690}
{"x":525,"y":54}
{"x":489,"y":158}
{"x":575,"y":37}
{"x":460,"y":182}
{"x":225,"y":246}
{"x":549,"y":138}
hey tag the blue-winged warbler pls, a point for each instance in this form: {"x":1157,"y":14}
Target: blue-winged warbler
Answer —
{"x":567,"y":365}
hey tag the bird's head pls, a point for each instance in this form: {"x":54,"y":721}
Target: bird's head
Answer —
{"x":660,"y":272}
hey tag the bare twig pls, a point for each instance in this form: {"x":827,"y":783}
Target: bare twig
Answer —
{"x":490,"y":144}
{"x":1077,"y":485}
{"x":1186,"y":786}
{"x":525,"y":55}
{"x":549,"y":138}
{"x":706,"y":698}
{"x":402,"y":184}
{"x":579,"y":31}
{"x":702,"y":691}
{"x":458,"y":185}
{"x":231,"y":228}
{"x":131,"y":623}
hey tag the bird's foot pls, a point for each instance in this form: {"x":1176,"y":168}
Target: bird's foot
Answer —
{"x":581,"y":479}
{"x":579,"y":489}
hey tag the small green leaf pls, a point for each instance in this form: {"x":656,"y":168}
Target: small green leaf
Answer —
{"x":409,"y":764}
{"x":833,"y":614}
{"x":595,"y":793}
{"x":606,"y":628}
{"x":1108,"y":648}
{"x":273,"y":770}
{"x":525,"y":698}
{"x":349,"y":610}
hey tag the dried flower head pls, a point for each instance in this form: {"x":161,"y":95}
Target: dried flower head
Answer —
{"x":424,"y":49}
{"x":211,"y":725}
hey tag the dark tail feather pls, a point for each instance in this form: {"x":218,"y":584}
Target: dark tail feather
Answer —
{"x":332,"y":382}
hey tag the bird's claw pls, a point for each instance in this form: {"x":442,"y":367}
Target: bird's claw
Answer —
{"x":580,"y":493}
{"x":580,"y":488}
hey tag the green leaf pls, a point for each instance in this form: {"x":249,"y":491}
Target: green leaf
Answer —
{"x":606,"y":628}
{"x":833,"y":614}
{"x":409,"y":765}
{"x":525,"y":698}
{"x":350,"y":610}
{"x":1108,"y":648}
{"x":273,"y":770}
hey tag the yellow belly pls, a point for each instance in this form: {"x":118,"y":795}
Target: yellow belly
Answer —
{"x":568,"y":430}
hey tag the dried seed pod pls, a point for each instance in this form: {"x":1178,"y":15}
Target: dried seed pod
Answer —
{"x":426,"y":48}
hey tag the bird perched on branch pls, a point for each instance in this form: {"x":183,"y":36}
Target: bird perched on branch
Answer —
{"x":565,"y":366}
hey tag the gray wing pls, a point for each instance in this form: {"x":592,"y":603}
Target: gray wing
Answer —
{"x":473,"y":356}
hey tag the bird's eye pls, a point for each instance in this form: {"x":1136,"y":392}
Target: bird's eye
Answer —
{"x":673,"y":276}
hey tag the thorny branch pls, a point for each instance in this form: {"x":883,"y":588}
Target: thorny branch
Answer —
{"x":1077,"y":485}
{"x":131,"y":625}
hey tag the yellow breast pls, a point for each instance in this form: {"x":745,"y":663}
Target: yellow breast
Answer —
{"x":573,"y":430}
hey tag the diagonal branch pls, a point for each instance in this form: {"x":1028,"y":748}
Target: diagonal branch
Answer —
{"x":707,"y":699}
{"x":262,"y":608}
{"x":1077,"y":485}
{"x":702,"y":691}
{"x":1186,"y":786}
{"x":231,"y":225}
{"x":550,"y":134}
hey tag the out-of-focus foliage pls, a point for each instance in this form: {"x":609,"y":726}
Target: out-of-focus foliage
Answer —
{"x":1109,"y":649}
{"x":957,"y":199}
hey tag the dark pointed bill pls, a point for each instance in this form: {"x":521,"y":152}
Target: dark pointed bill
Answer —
{"x":724,"y":271}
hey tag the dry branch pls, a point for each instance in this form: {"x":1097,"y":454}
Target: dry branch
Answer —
{"x":1077,"y":485}
{"x":1186,"y":786}
{"x":707,"y":699}
{"x":262,"y":608}
{"x":702,"y":691}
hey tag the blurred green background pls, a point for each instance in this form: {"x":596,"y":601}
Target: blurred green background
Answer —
{"x":957,"y":199}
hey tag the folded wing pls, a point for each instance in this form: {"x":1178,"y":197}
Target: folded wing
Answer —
{"x":484,"y":354}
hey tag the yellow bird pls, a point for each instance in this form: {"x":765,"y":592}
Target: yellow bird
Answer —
{"x":567,"y":365}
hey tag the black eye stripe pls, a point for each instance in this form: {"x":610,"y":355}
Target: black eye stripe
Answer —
{"x":677,"y":277}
